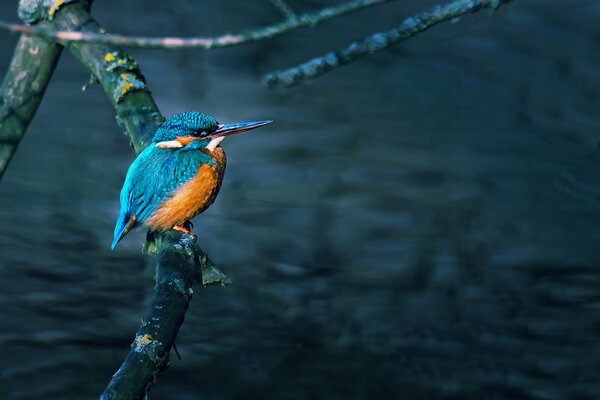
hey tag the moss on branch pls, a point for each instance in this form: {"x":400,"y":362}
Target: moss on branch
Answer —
{"x":178,"y":257}
{"x":291,"y":22}
{"x":378,"y":41}
{"x":22,"y":91}
{"x":116,"y":71}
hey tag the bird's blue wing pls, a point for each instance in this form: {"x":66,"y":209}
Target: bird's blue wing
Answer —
{"x":152,"y":178}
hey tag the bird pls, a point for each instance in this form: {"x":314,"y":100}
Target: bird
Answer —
{"x":178,"y":175}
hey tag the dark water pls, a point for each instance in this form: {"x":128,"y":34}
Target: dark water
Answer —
{"x":422,"y":224}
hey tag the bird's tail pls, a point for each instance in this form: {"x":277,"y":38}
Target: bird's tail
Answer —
{"x":124,"y":225}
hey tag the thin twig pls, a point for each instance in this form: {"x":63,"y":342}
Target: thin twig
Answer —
{"x":173,"y":43}
{"x":284,"y":9}
{"x":378,"y":41}
{"x":22,"y":90}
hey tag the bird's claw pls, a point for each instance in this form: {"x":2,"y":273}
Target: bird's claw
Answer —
{"x":184,"y":230}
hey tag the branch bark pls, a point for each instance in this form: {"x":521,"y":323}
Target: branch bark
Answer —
{"x":378,"y":41}
{"x":178,"y":262}
{"x":118,"y":74}
{"x":64,"y":34}
{"x":22,"y":91}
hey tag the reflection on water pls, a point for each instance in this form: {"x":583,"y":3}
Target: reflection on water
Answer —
{"x":420,"y":224}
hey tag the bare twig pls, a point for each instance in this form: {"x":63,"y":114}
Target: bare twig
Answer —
{"x":378,"y":41}
{"x":22,"y":90}
{"x":226,"y":40}
{"x":284,"y":8}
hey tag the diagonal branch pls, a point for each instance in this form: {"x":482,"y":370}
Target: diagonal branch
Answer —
{"x":378,"y":41}
{"x":176,"y":265}
{"x":118,"y":74}
{"x":21,"y":92}
{"x":180,"y":260}
{"x":64,"y":34}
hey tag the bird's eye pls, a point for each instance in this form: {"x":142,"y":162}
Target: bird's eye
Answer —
{"x":199,"y":133}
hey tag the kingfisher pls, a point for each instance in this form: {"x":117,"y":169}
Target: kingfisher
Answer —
{"x":178,"y":176}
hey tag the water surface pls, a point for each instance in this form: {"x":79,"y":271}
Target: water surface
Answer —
{"x":421,"y":224}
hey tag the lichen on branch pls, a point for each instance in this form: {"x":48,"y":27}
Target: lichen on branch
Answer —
{"x":180,"y":261}
{"x":22,"y":90}
{"x":378,"y":41}
{"x":117,"y":72}
{"x":34,"y":11}
{"x":174,"y":43}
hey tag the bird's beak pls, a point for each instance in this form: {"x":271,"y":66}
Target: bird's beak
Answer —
{"x":237,"y":127}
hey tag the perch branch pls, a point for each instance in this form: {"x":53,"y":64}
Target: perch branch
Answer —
{"x":63,"y":34}
{"x":118,"y":74}
{"x":177,"y":262}
{"x":179,"y":259}
{"x":22,"y":90}
{"x":378,"y":41}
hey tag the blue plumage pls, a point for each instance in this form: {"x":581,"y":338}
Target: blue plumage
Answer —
{"x":181,"y":145}
{"x":152,"y":178}
{"x":187,"y":123}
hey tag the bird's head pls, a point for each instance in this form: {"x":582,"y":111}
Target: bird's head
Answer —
{"x":193,"y":130}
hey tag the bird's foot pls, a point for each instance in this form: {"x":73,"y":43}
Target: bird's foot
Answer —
{"x":183,"y":229}
{"x":188,"y":225}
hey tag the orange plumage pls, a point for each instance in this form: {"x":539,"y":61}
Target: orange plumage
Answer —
{"x":178,"y":176}
{"x":193,"y":197}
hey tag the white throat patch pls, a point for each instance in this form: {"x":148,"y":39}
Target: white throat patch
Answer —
{"x":171,"y":144}
{"x":212,"y":145}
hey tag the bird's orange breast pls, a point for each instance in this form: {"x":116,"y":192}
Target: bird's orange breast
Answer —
{"x":191,"y":198}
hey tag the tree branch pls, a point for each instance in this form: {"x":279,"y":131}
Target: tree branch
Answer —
{"x":284,"y":9}
{"x":22,"y":90}
{"x":378,"y":41}
{"x":179,"y":259}
{"x":118,"y":74}
{"x":64,"y":35}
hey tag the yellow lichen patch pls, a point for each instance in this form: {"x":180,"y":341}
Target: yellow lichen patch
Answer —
{"x":118,"y":60}
{"x":54,"y":8}
{"x":153,"y":349}
{"x":128,"y":83}
{"x":109,"y":57}
{"x":143,"y":340}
